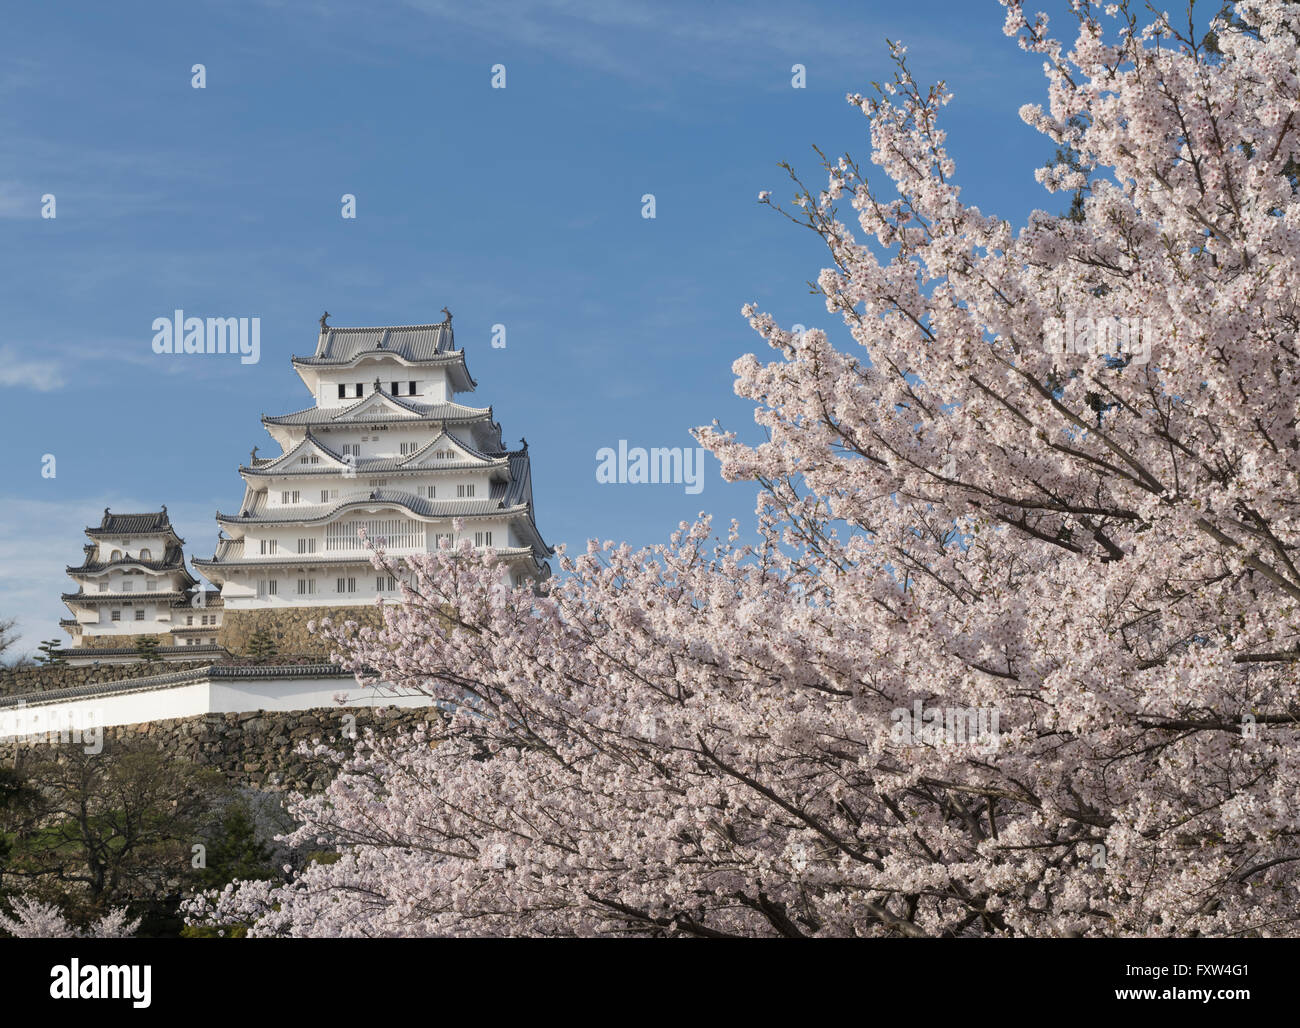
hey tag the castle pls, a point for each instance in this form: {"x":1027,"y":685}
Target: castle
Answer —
{"x":384,"y":448}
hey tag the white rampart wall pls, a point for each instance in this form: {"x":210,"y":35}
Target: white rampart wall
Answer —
{"x":206,"y":696}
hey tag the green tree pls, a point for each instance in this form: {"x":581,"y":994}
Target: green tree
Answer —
{"x":262,"y":645}
{"x":114,"y":826}
{"x":147,"y":647}
{"x":236,"y":851}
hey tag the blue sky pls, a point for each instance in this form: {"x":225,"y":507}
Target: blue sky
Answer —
{"x":519,"y":206}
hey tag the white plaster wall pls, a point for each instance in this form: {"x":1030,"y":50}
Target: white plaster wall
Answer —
{"x":203,"y":697}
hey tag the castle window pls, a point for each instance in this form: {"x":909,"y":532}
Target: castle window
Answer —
{"x":410,"y":388}
{"x":115,"y":555}
{"x":306,"y":545}
{"x":347,"y":585}
{"x":269,"y":546}
{"x":145,"y":554}
{"x":306,"y":587}
{"x":359,"y":388}
{"x":385,"y":584}
{"x":465,"y":490}
{"x":394,"y":389}
{"x":127,"y":585}
{"x":189,"y":619}
{"x":432,"y":491}
{"x":407,"y":448}
{"x":139,"y":615}
{"x":343,"y":391}
{"x":103,"y":587}
{"x":116,"y":615}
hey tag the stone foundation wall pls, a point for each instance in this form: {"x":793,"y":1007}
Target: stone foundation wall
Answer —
{"x":60,"y":676}
{"x":257,"y":749}
{"x":288,"y":626}
{"x":115,"y":642}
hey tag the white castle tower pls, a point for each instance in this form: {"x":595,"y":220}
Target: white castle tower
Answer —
{"x":133,"y":582}
{"x":385,"y":447}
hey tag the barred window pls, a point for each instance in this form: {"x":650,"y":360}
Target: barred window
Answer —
{"x":397,"y":533}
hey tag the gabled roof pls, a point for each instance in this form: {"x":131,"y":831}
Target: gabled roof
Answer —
{"x":387,"y":408}
{"x":287,"y":463}
{"x":280,"y":465}
{"x":411,"y":342}
{"x":415,"y":459}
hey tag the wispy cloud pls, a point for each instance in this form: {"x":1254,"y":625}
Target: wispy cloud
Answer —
{"x":21,"y":371}
{"x":635,"y":41}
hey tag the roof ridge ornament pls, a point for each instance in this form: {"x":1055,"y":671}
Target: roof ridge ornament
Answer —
{"x":323,"y":324}
{"x":447,"y":322}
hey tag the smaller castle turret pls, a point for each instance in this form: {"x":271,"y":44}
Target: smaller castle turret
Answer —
{"x":132,"y":583}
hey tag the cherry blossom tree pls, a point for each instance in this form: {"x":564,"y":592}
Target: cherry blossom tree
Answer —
{"x":1016,"y":652}
{"x":33,"y":919}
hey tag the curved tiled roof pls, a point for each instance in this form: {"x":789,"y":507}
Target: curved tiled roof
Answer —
{"x":173,"y":560}
{"x":211,"y":598}
{"x":412,"y":342}
{"x":117,"y":597}
{"x":169,"y":678}
{"x":418,"y":505}
{"x":133,"y":524}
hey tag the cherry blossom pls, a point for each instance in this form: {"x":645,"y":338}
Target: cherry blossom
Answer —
{"x":696,"y":738}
